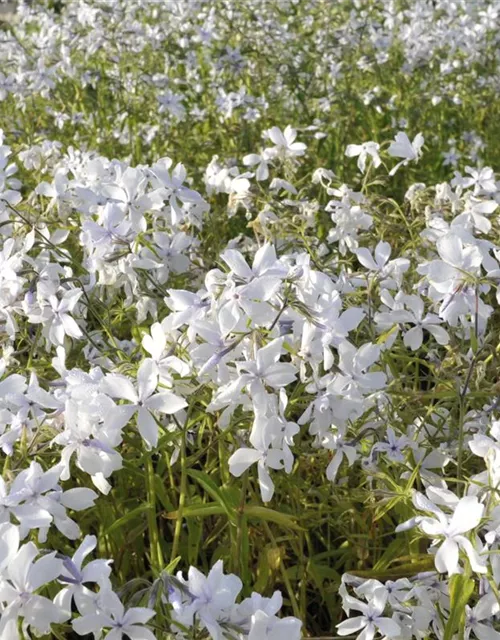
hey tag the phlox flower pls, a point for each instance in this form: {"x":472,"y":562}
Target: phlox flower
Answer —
{"x":169,"y":254}
{"x":209,"y":599}
{"x":397,"y":590}
{"x":58,"y":191}
{"x":265,"y":370}
{"x":409,"y":310}
{"x":28,"y":517}
{"x":186,"y":307}
{"x":394,"y":446}
{"x":92,"y":442}
{"x":478,"y":619}
{"x":343,"y":449}
{"x":458,"y":264}
{"x":371,"y":620}
{"x":353,"y":365}
{"x":348,"y":216}
{"x":57,"y":319}
{"x":363,"y":152}
{"x":475,"y":214}
{"x":110,"y":229}
{"x":269,"y":627}
{"x":262,"y":162}
{"x":467,"y":515}
{"x":264,"y":454}
{"x":403,"y":148}
{"x":128,"y":190}
{"x":171,"y":103}
{"x":280,"y":184}
{"x":250,"y":288}
{"x":22,"y":578}
{"x":113,"y":615}
{"x":156,"y":345}
{"x":143,"y":401}
{"x":75,"y":577}
{"x":213,"y":352}
{"x":172,"y":189}
{"x":39,"y":490}
{"x":284,"y":141}
{"x":242,"y":612}
{"x":380,"y":266}
{"x":414,"y":314}
{"x":482,"y":179}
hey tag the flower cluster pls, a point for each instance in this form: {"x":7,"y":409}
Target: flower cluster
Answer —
{"x":249,"y":306}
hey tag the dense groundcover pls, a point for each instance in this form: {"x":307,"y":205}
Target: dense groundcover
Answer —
{"x":250,"y":319}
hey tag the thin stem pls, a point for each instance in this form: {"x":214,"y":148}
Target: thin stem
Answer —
{"x":463,"y":393}
{"x":154,"y":537}
{"x":239,"y":523}
{"x":182,"y":497}
{"x":285,"y":578}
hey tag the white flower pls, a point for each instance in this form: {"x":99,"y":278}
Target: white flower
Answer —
{"x":262,"y":162}
{"x":403,"y":148}
{"x":380,"y":265}
{"x":286,"y":147}
{"x":143,"y":401}
{"x":72,"y":574}
{"x":483,"y":179}
{"x":39,"y":491}
{"x":371,"y":619}
{"x":269,"y":627}
{"x":413,"y":314}
{"x":112,"y":615}
{"x":478,"y":617}
{"x":209,"y":599}
{"x":23,"y":577}
{"x":362,"y":152}
{"x":56,"y":318}
{"x":337,"y":443}
{"x":449,"y":275}
{"x":264,"y":454}
{"x":467,"y":516}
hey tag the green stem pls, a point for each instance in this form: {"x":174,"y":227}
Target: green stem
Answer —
{"x":285,"y":578}
{"x":182,"y":498}
{"x":239,"y":525}
{"x":462,"y":397}
{"x":154,"y":537}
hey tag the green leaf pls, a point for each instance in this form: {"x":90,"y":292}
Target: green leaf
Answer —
{"x":195,"y":530}
{"x":386,"y":335}
{"x":162,"y":495}
{"x":394,"y":550}
{"x":171,"y":566}
{"x":244,"y":555}
{"x":198,"y":510}
{"x":214,"y":491}
{"x":263,"y":570}
{"x":461,"y":587}
{"x":270,"y":515}
{"x":473,"y":342}
{"x":118,"y":524}
{"x":388,"y":506}
{"x":399,"y":571}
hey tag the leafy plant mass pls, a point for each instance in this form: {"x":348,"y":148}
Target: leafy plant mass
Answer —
{"x":249,"y":320}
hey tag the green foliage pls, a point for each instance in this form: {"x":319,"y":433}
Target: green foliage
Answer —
{"x":161,"y":515}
